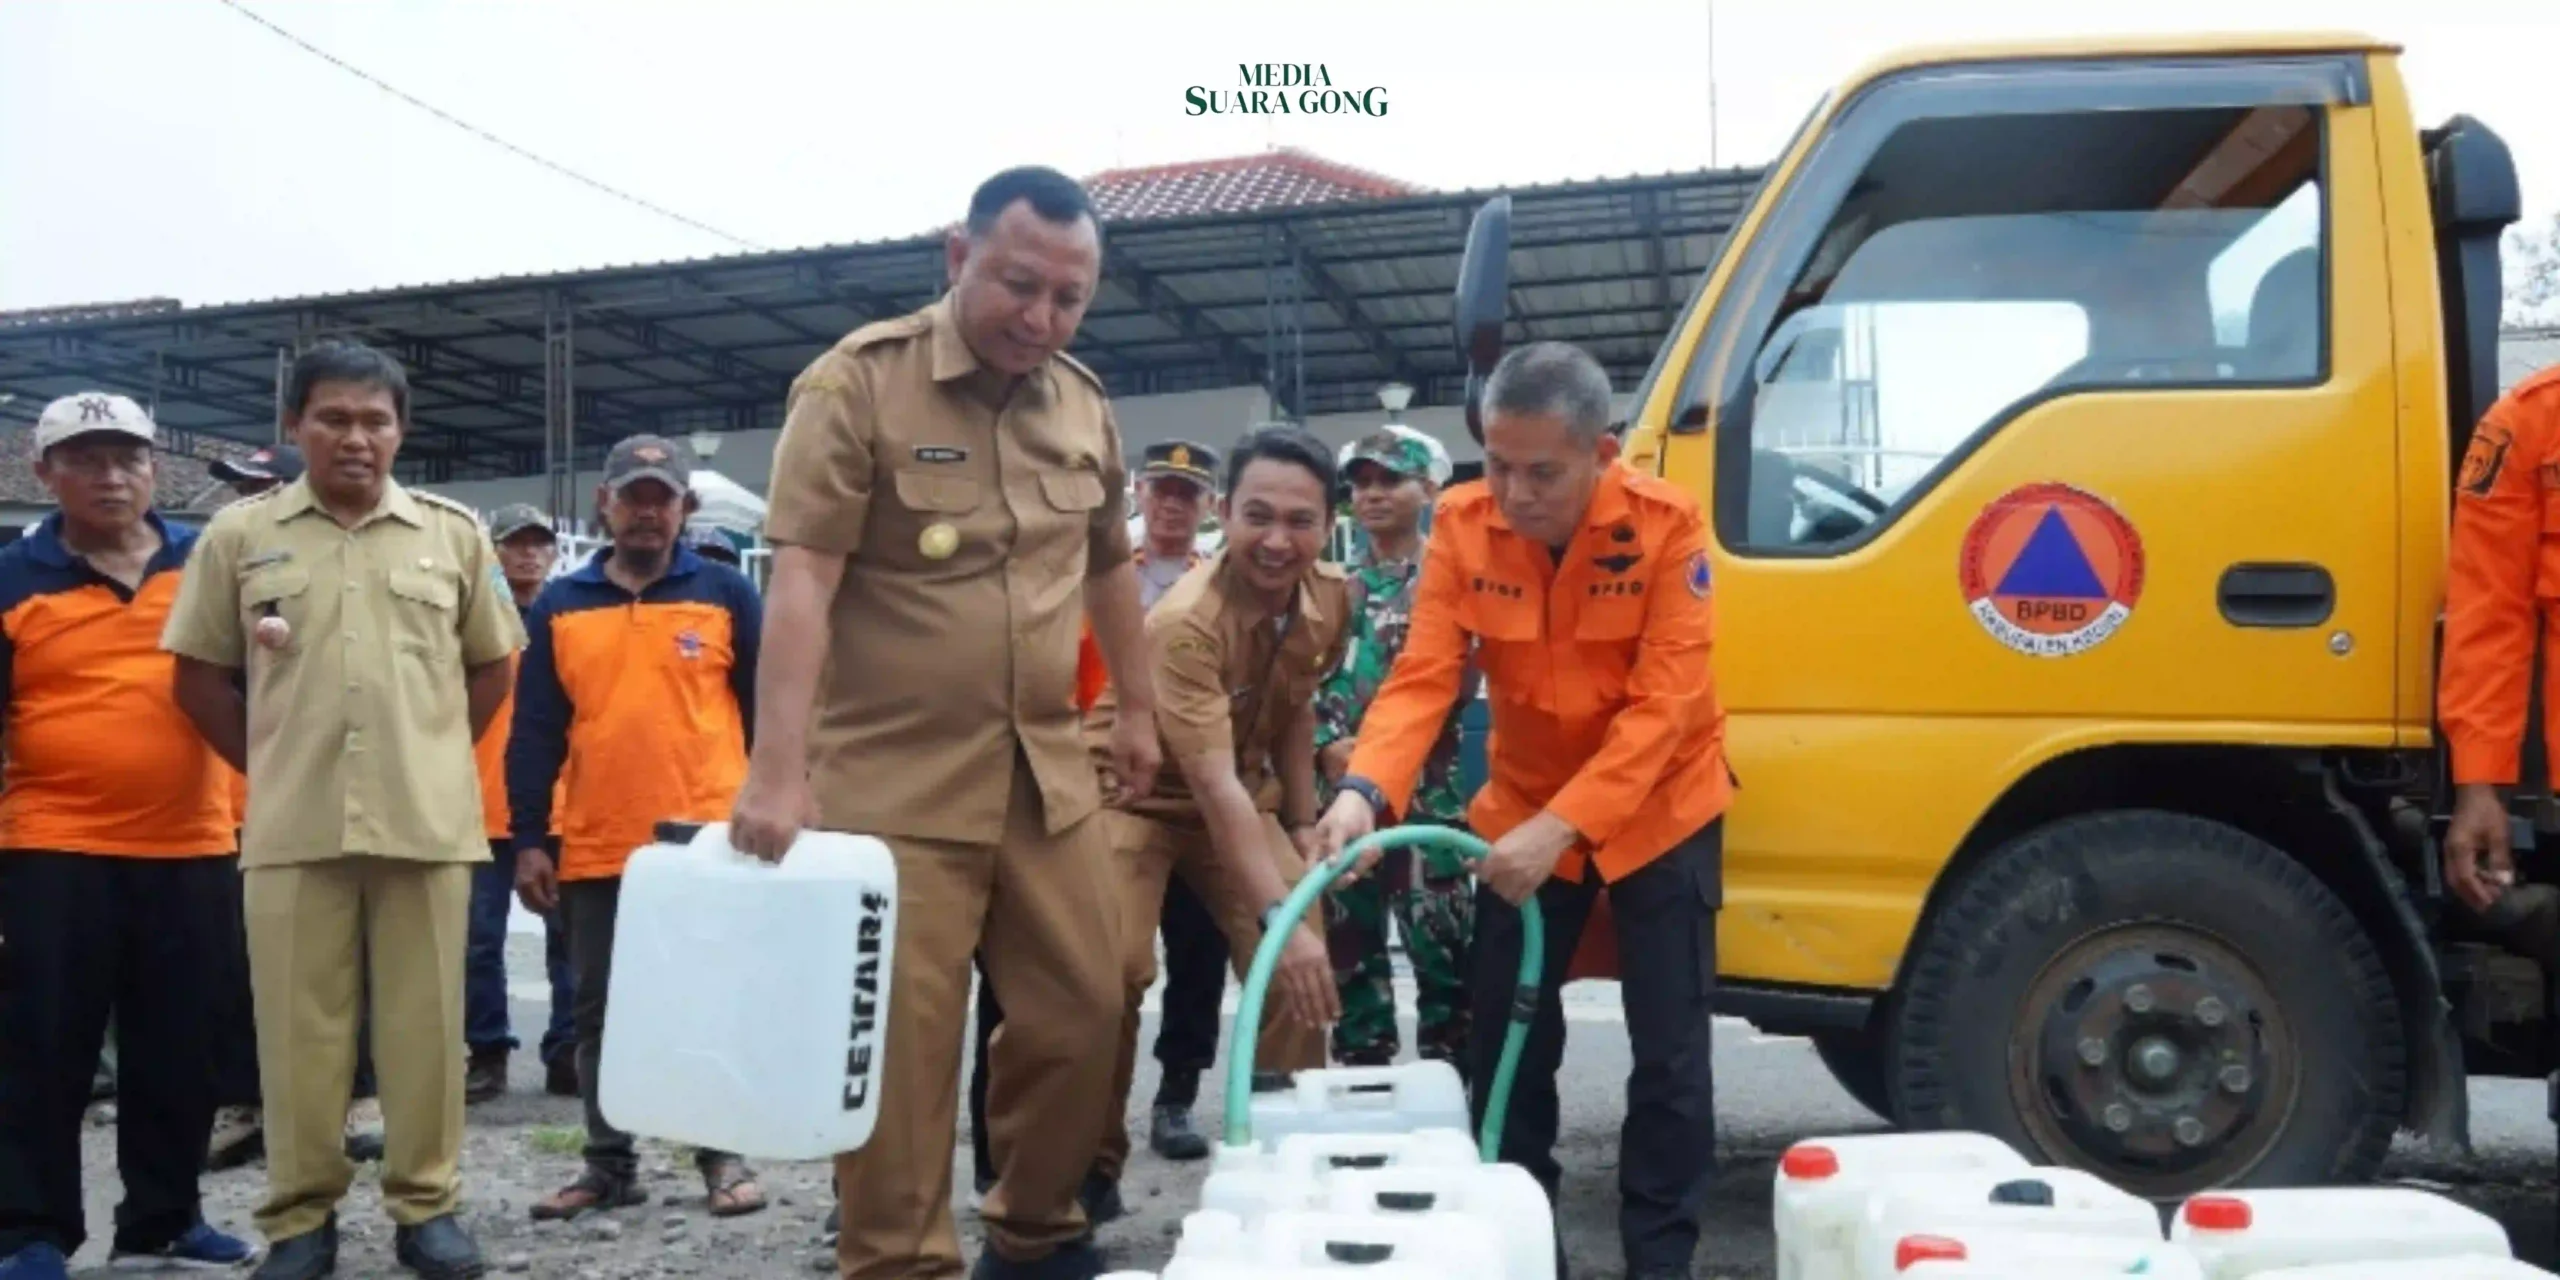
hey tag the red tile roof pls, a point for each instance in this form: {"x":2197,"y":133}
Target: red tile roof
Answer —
{"x":1275,"y":179}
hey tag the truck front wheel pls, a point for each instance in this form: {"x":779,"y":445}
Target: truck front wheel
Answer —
{"x":2167,"y":1002}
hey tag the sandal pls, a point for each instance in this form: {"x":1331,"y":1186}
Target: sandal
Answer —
{"x":594,"y":1189}
{"x":731,"y":1188}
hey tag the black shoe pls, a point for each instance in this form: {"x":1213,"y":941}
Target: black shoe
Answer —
{"x":1173,"y":1137}
{"x":438,"y":1249}
{"x":485,"y":1076}
{"x":1076,"y":1261}
{"x":1101,"y":1197}
{"x":560,"y":1076}
{"x":308,"y":1256}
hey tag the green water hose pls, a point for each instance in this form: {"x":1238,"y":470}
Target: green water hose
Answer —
{"x":1266,"y":957}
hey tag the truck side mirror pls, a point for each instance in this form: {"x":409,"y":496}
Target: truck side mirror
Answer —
{"x":1484,"y":290}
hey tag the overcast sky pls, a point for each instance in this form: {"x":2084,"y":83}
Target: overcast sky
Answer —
{"x":176,"y":148}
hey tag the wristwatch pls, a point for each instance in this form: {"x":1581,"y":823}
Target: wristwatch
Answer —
{"x":1354,"y":784}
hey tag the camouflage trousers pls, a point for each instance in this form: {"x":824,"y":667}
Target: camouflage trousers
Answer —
{"x":1433,"y":901}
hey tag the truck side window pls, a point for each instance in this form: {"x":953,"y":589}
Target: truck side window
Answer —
{"x":1979,"y":265}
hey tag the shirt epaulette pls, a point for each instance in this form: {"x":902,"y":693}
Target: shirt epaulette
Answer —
{"x":1653,"y":490}
{"x":439,"y":500}
{"x":2537,"y":386}
{"x":1467,"y":495}
{"x":1081,"y":370}
{"x":914,"y":324}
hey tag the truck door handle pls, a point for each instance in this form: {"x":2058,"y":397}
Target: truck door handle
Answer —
{"x":2277,"y":595}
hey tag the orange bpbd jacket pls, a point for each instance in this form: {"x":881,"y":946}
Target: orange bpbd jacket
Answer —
{"x":2502,"y":585}
{"x":1595,"y":664}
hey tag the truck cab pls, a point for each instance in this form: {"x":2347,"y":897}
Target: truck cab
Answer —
{"x":2076,"y":423}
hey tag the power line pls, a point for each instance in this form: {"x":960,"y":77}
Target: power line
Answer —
{"x":483,"y":134}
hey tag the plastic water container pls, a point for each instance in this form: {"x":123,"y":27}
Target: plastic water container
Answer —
{"x":2040,"y":1256}
{"x":1228,"y":1269}
{"x":1822,"y":1183}
{"x":1432,"y":1244}
{"x":2466,"y":1268}
{"x":1504,"y":1200}
{"x":1251,"y":1181}
{"x":748,"y":1008}
{"x":1318,"y":1154}
{"x":2239,"y":1235}
{"x":1982,"y":1207}
{"x":1406,"y":1097}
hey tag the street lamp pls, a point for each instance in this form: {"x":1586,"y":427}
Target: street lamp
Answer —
{"x":1395,"y":396}
{"x":705,"y":443}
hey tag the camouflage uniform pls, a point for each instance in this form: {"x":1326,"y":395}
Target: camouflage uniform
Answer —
{"x":1430,"y":892}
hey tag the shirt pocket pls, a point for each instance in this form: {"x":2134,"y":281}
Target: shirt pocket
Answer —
{"x":425,"y":604}
{"x":1506,"y":633}
{"x":926,"y":501}
{"x":281,"y":591}
{"x":1072,"y":495}
{"x":1605,"y":636}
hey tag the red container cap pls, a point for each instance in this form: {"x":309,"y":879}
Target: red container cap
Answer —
{"x":2218,"y":1213}
{"x":1916,"y":1249}
{"x":1807,"y":1161}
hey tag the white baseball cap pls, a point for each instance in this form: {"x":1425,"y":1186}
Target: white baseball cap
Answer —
{"x":89,"y":413}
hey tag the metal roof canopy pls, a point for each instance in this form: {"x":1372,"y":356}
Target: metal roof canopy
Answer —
{"x":528,"y":375}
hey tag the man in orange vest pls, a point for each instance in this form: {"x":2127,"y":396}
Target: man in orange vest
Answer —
{"x":2502,"y":593}
{"x":1583,"y":589}
{"x":527,"y":548}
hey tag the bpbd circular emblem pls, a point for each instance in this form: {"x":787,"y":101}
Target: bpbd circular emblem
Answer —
{"x":2050,"y":570}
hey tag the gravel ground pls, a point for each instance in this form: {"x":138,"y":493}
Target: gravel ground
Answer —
{"x":1770,"y":1091}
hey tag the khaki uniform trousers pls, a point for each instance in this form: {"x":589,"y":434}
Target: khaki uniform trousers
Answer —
{"x":1043,"y":910}
{"x":310,"y":925}
{"x":1151,"y":851}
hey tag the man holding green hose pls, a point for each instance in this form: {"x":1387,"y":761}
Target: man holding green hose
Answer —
{"x":1585,"y":590}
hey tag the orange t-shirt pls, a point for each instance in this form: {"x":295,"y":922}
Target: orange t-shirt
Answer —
{"x":100,"y":760}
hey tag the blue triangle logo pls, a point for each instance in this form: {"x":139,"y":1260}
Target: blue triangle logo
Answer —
{"x":2052,"y":566}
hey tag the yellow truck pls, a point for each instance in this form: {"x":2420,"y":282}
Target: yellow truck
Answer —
{"x":2078,"y":425}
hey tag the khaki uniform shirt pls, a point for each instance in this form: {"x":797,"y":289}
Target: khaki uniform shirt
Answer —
{"x":1224,"y":682}
{"x":971,"y":513}
{"x":359,"y":727}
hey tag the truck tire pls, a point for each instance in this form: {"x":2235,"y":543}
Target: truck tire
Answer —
{"x":1857,"y":1061}
{"x":2166,"y":1002}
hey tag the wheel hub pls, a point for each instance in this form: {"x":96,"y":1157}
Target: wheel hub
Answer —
{"x":2155,"y":1054}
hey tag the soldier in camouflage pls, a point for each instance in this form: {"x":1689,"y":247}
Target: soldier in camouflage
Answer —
{"x":1431,"y":893}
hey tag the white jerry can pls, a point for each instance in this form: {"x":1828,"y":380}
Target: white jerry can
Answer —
{"x":2040,"y":1256}
{"x":2472,"y":1267}
{"x":1981,"y":1207}
{"x":1292,"y":1242}
{"x":2239,"y":1235}
{"x":1316,"y":1156}
{"x":1822,"y":1184}
{"x":749,"y":1004}
{"x":1406,"y":1097}
{"x":1503,"y":1200}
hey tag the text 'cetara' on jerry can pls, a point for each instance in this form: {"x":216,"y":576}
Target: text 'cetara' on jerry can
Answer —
{"x":749,"y":1005}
